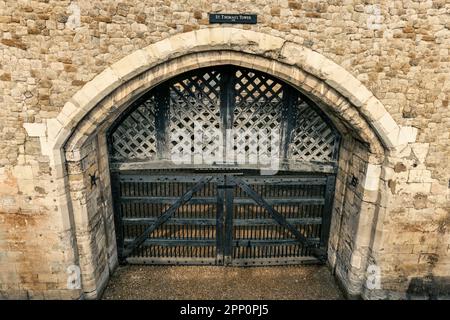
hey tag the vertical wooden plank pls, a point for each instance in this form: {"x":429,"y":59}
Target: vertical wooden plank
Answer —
{"x":115,"y":191}
{"x":229,"y":201}
{"x":327,"y":211}
{"x":227,"y":96}
{"x":288,"y":121}
{"x":162,"y":120}
{"x":220,"y":221}
{"x":227,"y":103}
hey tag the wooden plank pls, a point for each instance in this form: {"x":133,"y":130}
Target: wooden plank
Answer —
{"x":281,"y":201}
{"x":291,"y":165}
{"x":162,"y":119}
{"x":175,"y":242}
{"x":118,"y":218}
{"x":242,"y":262}
{"x":167,"y":200}
{"x":172,"y":221}
{"x":171,"y":261}
{"x":162,"y":178}
{"x":272,"y":222}
{"x":287,"y":121}
{"x":286,"y":180}
{"x":219,"y":221}
{"x":212,"y":222}
{"x":270,"y":242}
{"x":228,"y":246}
{"x":327,"y":210}
{"x":189,"y":177}
{"x":309,"y":166}
{"x":212,"y":200}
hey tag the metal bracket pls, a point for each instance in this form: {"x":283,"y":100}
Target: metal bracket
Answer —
{"x":93,"y":179}
{"x":354,"y":181}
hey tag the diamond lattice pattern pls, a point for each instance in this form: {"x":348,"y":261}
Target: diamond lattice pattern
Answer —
{"x":135,"y":138}
{"x":313,"y":139}
{"x":195,"y":111}
{"x":195,"y":116}
{"x":257,"y":115}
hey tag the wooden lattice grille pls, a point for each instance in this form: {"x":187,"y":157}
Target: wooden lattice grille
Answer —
{"x":135,"y":137}
{"x":313,"y":139}
{"x":267,"y":117}
{"x":257,"y":114}
{"x":195,"y":106}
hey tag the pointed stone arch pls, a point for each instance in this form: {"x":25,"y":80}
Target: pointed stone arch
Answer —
{"x":348,"y":103}
{"x":299,"y":65}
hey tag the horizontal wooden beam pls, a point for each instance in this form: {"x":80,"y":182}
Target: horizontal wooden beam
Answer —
{"x":175,"y":242}
{"x":164,"y":242}
{"x":271,"y":242}
{"x":274,"y":261}
{"x":172,"y":260}
{"x":299,"y":166}
{"x":241,"y":262}
{"x":212,"y":222}
{"x":162,"y":178}
{"x":167,"y":200}
{"x":192,"y":178}
{"x":213,"y":200}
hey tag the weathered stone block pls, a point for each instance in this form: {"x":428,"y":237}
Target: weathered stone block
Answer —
{"x":35,"y":129}
{"x":130,"y":66}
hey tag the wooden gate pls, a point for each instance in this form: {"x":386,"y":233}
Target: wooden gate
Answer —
{"x":221,"y":210}
{"x":232,"y":218}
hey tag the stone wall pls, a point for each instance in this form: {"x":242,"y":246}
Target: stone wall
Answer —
{"x":399,"y":50}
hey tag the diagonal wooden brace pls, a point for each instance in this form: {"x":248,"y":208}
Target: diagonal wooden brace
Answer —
{"x":166,"y":215}
{"x":278,"y":217}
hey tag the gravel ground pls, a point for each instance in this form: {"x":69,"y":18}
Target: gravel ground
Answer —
{"x":206,"y":282}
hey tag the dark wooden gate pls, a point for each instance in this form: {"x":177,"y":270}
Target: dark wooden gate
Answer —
{"x":222,"y":218}
{"x":222,"y":212}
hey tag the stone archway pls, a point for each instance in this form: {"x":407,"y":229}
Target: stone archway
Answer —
{"x":75,"y":140}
